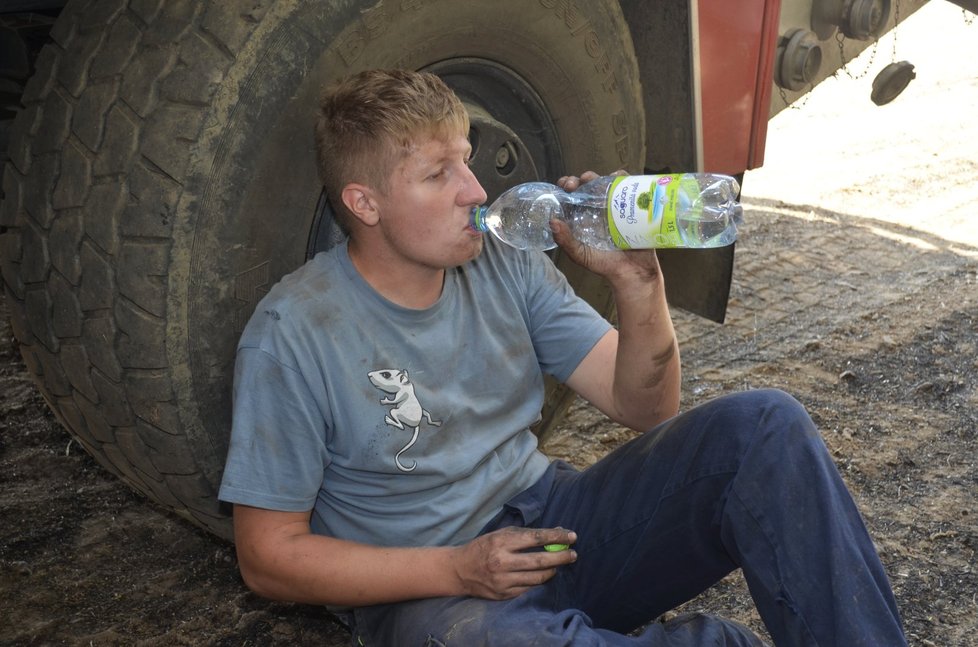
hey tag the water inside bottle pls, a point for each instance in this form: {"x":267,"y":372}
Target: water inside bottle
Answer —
{"x":526,"y":223}
{"x":704,"y":216}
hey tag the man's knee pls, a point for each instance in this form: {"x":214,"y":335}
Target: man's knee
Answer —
{"x":783,"y":441}
{"x":766,"y":401}
{"x":786,"y":418}
{"x":772,"y":410}
{"x":765,"y":421}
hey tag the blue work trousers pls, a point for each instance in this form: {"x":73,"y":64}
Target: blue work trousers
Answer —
{"x":744,"y":481}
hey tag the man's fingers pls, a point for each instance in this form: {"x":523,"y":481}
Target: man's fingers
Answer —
{"x":569,"y":182}
{"x":522,"y":550}
{"x":524,"y":538}
{"x":573,"y":182}
{"x":506,"y":562}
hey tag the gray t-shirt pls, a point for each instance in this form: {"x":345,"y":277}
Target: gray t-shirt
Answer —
{"x":395,"y":426}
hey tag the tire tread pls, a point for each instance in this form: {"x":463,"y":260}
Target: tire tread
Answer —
{"x":107,"y":131}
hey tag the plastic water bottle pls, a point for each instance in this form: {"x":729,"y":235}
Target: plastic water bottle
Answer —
{"x":619,"y":212}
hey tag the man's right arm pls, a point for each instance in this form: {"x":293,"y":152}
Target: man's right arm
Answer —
{"x":281,"y":558}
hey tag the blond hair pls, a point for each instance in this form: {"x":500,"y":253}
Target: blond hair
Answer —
{"x":369,"y":121}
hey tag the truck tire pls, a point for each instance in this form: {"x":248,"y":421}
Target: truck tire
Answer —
{"x":161,"y":178}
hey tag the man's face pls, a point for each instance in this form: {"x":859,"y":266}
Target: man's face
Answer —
{"x":425,"y":212}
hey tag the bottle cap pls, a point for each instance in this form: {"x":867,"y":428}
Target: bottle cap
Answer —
{"x":891,"y":81}
{"x":479,"y":219}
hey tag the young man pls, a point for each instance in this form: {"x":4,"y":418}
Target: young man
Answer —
{"x":381,"y":461}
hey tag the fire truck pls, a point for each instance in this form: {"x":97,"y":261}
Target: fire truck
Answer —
{"x":159,"y":169}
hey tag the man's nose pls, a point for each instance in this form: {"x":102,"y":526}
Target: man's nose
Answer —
{"x":472,"y":192}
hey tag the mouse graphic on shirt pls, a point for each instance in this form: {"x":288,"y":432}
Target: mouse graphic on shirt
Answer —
{"x":407,"y":412}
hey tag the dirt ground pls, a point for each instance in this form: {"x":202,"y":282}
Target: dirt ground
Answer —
{"x":856,"y":290}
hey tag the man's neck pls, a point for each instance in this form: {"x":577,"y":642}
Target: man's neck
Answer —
{"x":410,"y":286}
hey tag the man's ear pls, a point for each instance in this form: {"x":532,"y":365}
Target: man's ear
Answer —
{"x":359,"y":200}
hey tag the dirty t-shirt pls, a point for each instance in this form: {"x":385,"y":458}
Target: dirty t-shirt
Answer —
{"x":396,"y":426}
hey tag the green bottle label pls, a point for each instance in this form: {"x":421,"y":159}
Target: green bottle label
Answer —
{"x":642,"y":211}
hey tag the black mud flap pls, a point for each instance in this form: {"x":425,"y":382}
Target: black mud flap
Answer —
{"x":698,"y":280}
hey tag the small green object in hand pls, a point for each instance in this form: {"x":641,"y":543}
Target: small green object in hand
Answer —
{"x":556,"y":548}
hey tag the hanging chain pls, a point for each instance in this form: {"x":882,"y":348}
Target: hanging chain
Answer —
{"x":797,"y":105}
{"x":840,"y":38}
{"x":896,"y":23}
{"x":784,"y":97}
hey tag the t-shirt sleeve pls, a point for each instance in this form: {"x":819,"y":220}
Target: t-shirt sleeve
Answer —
{"x":564,"y":327}
{"x":277,"y":454}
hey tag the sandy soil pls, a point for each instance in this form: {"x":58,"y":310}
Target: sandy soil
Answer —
{"x":856,"y":290}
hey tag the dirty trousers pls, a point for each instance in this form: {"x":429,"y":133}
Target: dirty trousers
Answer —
{"x":743,"y":481}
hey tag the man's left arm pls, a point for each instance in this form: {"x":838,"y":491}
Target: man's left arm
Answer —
{"x":632,"y":374}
